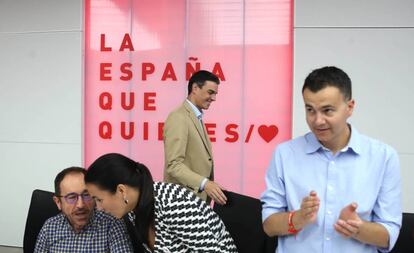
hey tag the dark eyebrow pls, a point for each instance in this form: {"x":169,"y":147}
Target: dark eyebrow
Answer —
{"x":70,"y":193}
{"x":212,"y":91}
{"x":85,"y":191}
{"x":323,"y":107}
{"x":327,"y":106}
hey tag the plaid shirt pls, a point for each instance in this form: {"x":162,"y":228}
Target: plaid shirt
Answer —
{"x":103,"y":233}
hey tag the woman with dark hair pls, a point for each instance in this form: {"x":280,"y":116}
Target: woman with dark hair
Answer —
{"x":161,"y":217}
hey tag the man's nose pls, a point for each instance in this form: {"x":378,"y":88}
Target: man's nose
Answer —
{"x":80,"y":202}
{"x":213,"y":97}
{"x":319,"y":119}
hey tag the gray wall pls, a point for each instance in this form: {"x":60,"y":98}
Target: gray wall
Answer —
{"x":40,"y":102}
{"x":41,"y":86}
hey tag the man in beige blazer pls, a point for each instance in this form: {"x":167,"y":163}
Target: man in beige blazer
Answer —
{"x":187,"y":147}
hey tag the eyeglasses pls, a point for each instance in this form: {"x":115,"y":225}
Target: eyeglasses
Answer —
{"x":72,"y":198}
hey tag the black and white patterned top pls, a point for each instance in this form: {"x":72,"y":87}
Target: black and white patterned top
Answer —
{"x":184,"y":223}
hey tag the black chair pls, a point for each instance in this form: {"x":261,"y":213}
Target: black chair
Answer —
{"x":41,"y":208}
{"x":242,"y":216}
{"x":405,"y":241}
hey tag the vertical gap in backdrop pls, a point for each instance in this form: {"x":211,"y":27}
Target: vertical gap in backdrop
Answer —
{"x":130,"y":82}
{"x":243,"y":86}
{"x":84,"y":46}
{"x":186,"y":17}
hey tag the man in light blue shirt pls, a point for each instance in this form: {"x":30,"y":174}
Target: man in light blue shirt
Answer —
{"x":333,"y":189}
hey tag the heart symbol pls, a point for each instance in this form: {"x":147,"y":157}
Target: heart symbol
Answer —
{"x":268,"y":132}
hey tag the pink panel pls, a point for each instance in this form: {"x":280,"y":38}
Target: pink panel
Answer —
{"x":248,"y":42}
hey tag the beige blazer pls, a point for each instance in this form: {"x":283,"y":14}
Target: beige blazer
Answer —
{"x":187,"y":149}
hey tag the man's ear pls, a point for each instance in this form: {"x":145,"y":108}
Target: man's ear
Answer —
{"x":351,"y":106}
{"x":194,"y":87}
{"x":57,"y":202}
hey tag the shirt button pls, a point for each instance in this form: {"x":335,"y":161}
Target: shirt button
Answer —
{"x":332,"y":162}
{"x":328,"y":238}
{"x":329,"y":212}
{"x":330,"y":187}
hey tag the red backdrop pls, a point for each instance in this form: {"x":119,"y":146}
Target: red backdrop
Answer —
{"x":138,"y":58}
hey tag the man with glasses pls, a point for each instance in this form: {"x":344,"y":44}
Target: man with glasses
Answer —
{"x":79,"y":227}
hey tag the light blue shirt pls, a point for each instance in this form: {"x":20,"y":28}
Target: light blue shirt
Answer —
{"x":197,"y":112}
{"x":199,"y":116}
{"x":366,"y":172}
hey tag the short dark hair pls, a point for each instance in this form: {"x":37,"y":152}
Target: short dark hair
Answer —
{"x":61,"y":175}
{"x":110,"y":170}
{"x":200,"y":77}
{"x":330,"y":76}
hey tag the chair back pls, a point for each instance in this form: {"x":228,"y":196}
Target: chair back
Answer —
{"x":242,"y":216}
{"x":41,"y":208}
{"x":405,"y":241}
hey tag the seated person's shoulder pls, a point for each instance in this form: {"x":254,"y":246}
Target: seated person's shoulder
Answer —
{"x":103,"y":218}
{"x":108,"y":223}
{"x":57,"y":220}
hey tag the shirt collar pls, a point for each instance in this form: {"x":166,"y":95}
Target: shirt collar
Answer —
{"x":313,"y":145}
{"x":355,"y":141}
{"x":197,"y":112}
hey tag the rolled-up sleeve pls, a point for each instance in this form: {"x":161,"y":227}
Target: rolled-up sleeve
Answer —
{"x":387,"y":210}
{"x":274,"y":197}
